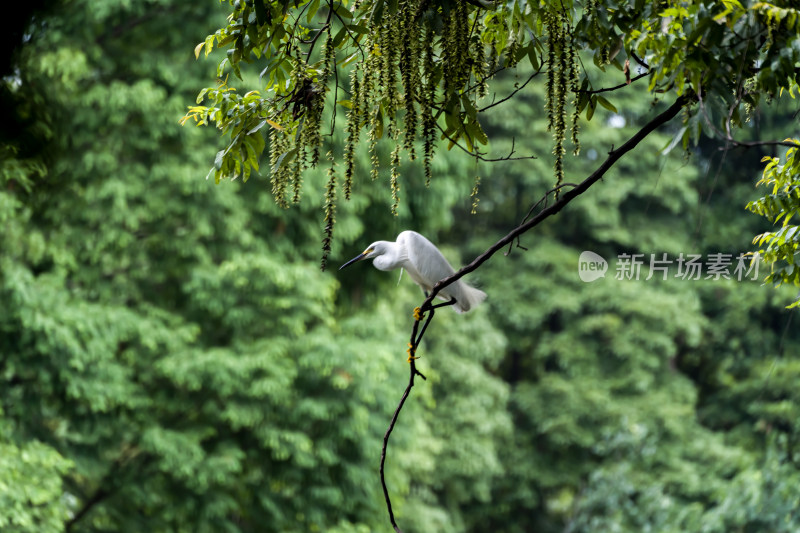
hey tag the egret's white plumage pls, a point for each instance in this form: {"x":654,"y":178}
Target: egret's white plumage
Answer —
{"x":424,"y":263}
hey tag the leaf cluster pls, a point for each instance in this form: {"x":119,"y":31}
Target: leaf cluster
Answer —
{"x":779,"y":248}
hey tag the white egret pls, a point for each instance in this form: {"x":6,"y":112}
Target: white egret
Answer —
{"x":424,"y":263}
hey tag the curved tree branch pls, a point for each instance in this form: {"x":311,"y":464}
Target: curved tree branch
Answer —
{"x":565,"y":198}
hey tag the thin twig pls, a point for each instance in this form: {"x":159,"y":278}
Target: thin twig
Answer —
{"x":491,"y":75}
{"x":297,"y":23}
{"x":616,"y":87}
{"x":752,"y":144}
{"x":478,"y":155}
{"x":325,"y":26}
{"x":350,"y":34}
{"x":515,"y":91}
{"x":543,"y":199}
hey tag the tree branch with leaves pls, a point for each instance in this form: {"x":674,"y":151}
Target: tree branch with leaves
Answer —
{"x":415,"y":71}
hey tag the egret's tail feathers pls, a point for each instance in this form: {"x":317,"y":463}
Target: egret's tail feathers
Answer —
{"x":468,"y":298}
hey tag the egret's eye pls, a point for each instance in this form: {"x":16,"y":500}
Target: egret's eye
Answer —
{"x":367,"y":251}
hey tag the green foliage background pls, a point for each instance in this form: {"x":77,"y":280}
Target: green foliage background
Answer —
{"x":174,"y":360}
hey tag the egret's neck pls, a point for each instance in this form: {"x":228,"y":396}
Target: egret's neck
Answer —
{"x":393,"y":257}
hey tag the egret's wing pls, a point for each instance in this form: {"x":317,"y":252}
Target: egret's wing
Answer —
{"x":426,"y":264}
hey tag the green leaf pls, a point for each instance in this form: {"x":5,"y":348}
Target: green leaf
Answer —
{"x":313,"y":7}
{"x":678,"y":137}
{"x":342,"y":11}
{"x":258,"y":127}
{"x":339,"y":37}
{"x":532,"y":57}
{"x":468,"y":107}
{"x":476,"y":131}
{"x":605,"y":103}
{"x":355,"y":55}
{"x":358,"y":28}
{"x":592,"y":105}
{"x":284,"y":159}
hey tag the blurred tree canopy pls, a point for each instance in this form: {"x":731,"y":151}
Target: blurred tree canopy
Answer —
{"x":172,"y":359}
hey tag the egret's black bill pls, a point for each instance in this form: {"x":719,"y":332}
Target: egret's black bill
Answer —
{"x":357,"y":258}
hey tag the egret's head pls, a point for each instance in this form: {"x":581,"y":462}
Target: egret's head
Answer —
{"x":373,"y":250}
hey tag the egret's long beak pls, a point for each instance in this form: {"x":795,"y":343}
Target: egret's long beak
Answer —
{"x":356,"y":259}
